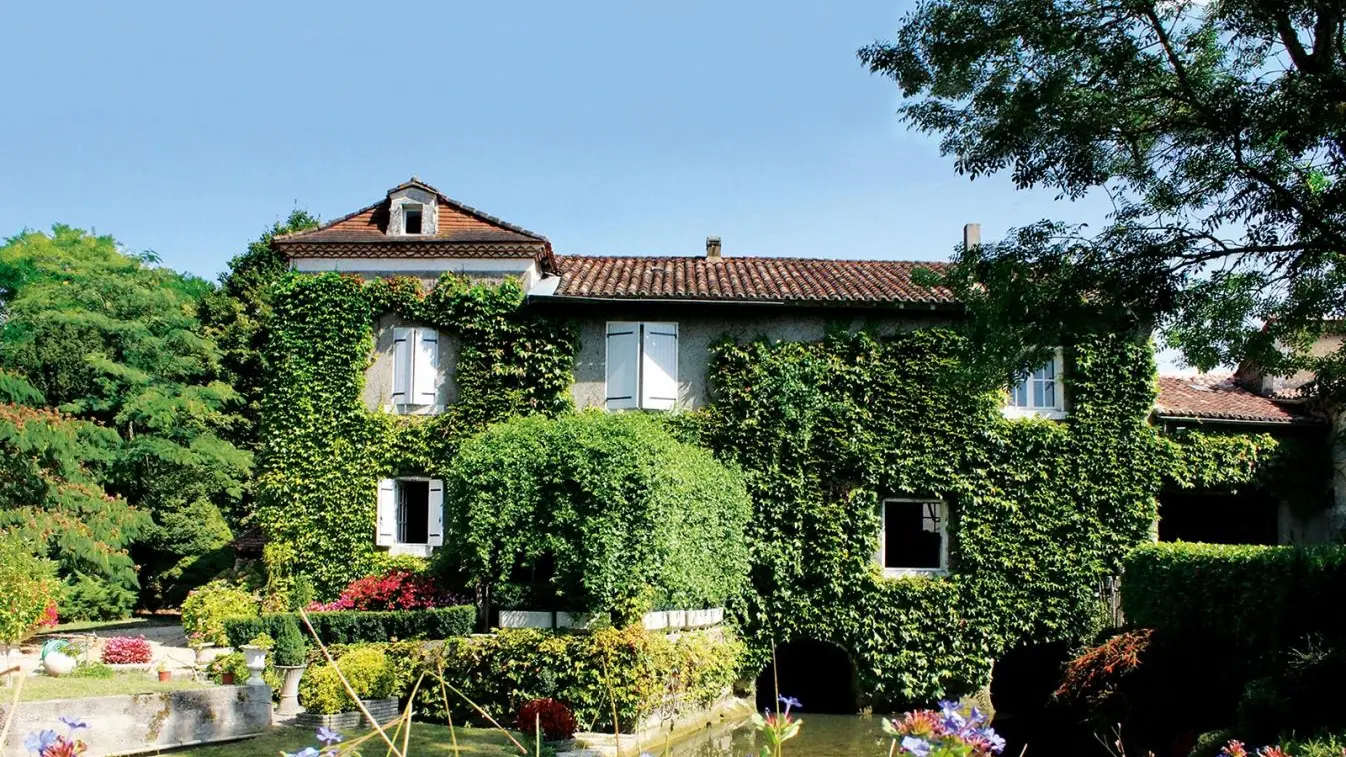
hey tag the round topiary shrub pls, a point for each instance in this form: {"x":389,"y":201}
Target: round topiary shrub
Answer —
{"x":291,"y":648}
{"x":555,"y":719}
{"x":367,"y":670}
{"x":603,"y":512}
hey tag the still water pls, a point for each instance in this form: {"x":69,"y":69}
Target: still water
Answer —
{"x":821,"y":736}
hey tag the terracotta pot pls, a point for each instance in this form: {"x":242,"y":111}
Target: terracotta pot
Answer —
{"x":165,"y":676}
{"x":227,"y":678}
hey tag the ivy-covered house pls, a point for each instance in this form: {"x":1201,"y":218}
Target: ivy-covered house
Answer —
{"x":907,"y":511}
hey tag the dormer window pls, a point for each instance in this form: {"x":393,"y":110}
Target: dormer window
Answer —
{"x":412,"y":216}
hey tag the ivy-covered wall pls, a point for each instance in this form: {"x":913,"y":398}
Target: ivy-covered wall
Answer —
{"x":323,"y":451}
{"x":1041,"y":510}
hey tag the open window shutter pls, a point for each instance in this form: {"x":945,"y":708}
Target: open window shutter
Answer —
{"x":402,"y":346}
{"x":436,"y":536}
{"x":386,"y":525}
{"x":623,"y":365}
{"x":659,"y":370}
{"x":425,"y":376}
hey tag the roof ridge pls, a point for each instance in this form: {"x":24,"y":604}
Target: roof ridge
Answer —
{"x":727,"y":259}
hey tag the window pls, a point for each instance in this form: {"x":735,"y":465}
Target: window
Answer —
{"x":412,"y":216}
{"x":410,"y":517}
{"x":914,"y":537}
{"x":642,"y":365}
{"x":1041,"y":393}
{"x":415,"y":369}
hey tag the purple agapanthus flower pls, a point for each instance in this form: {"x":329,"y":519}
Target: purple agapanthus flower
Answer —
{"x":328,"y":737}
{"x":73,"y":724}
{"x":38,"y":741}
{"x":918,"y":747}
{"x":307,"y":751}
{"x":996,"y":741}
{"x":790,"y":703}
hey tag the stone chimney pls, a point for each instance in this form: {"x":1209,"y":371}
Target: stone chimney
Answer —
{"x":971,"y":235}
{"x":713,"y":250}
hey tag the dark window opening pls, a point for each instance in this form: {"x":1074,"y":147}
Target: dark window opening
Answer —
{"x":820,"y":675}
{"x":413,"y":512}
{"x":913,"y":535}
{"x":1245,"y":517}
{"x":411,"y":219}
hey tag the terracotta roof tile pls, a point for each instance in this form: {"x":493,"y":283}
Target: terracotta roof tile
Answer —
{"x":747,"y":279}
{"x":1219,"y":398}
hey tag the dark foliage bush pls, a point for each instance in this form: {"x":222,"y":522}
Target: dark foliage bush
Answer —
{"x":350,"y":627}
{"x":291,"y":649}
{"x":553,"y":718}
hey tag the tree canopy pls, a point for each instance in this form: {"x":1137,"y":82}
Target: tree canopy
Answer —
{"x":113,"y":339}
{"x":1215,"y":128}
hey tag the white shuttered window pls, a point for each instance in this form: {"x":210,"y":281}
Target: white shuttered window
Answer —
{"x":642,"y":365}
{"x":415,"y":368}
{"x":410,"y":515}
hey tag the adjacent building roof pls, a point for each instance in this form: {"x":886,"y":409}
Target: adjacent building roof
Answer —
{"x":1218,"y":398}
{"x":461,"y":231}
{"x":747,"y":279}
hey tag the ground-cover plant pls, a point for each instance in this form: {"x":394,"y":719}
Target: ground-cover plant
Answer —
{"x":395,"y":590}
{"x":206,"y":609}
{"x":122,"y":650}
{"x":553,"y":718}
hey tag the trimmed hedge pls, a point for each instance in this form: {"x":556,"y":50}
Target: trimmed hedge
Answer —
{"x":354,"y":627}
{"x":1259,"y":599}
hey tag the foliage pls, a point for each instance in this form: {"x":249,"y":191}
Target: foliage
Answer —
{"x":1254,"y":599}
{"x":95,"y":670}
{"x":1323,"y":745}
{"x":366,"y":669}
{"x":631,"y":669}
{"x":395,"y":590}
{"x":50,"y":496}
{"x":948,"y":732}
{"x":123,"y":650}
{"x":233,"y":662}
{"x":348,"y":627}
{"x":237,"y":316}
{"x":29,"y":588}
{"x":1040,"y":511}
{"x":1096,"y":675}
{"x":324,"y":452}
{"x":597,"y":512}
{"x":291,"y":647}
{"x":206,"y":609}
{"x":778,"y":727}
{"x":554,"y":719}
{"x":1210,"y":127}
{"x":113,"y":339}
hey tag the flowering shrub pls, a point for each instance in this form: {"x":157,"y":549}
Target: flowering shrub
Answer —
{"x":554,"y":718}
{"x":944,"y":733}
{"x":1093,"y":676}
{"x":123,"y":650}
{"x":30,"y":584}
{"x":395,"y":590}
{"x":48,"y":743}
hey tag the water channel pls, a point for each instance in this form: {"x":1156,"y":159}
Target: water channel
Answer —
{"x":821,"y":736}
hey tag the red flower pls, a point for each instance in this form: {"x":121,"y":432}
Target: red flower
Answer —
{"x":555,"y":719}
{"x":397,"y":590}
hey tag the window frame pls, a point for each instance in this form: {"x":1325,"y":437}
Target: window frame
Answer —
{"x":414,"y":549}
{"x":419,"y":209}
{"x":1055,"y":412}
{"x":881,"y":554}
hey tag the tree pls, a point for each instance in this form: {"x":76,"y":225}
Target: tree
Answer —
{"x":113,"y":339}
{"x":1218,"y":129}
{"x":237,"y":316}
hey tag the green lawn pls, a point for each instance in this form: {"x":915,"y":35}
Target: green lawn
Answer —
{"x":125,"y":624}
{"x":431,"y":740}
{"x":41,"y":688}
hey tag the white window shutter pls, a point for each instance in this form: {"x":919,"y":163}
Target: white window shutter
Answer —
{"x":425,"y":375}
{"x":386,"y":521}
{"x":436,"y":535}
{"x":623,"y":365}
{"x":402,"y":360}
{"x":659,"y":367}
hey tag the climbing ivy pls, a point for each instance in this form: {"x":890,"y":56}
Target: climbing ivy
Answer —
{"x":1040,"y":510}
{"x":323,"y":452}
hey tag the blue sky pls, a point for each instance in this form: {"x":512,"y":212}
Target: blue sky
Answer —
{"x":613,"y":128}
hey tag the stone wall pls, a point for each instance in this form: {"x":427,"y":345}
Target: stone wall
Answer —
{"x":136,"y":723}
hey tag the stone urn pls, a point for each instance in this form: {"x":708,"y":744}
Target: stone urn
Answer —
{"x":289,"y":689}
{"x":255,"y":658}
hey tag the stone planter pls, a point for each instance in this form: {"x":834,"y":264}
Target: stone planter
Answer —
{"x":289,"y":689}
{"x":383,"y":711}
{"x":655,"y":621}
{"x":255,"y":658}
{"x":582,"y":621}
{"x":526,"y":619}
{"x":676,"y":619}
{"x":704,"y":618}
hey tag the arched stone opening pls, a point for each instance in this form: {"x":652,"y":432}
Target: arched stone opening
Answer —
{"x":820,"y":675}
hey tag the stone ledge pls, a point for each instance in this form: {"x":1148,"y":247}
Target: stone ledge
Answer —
{"x":383,"y":711}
